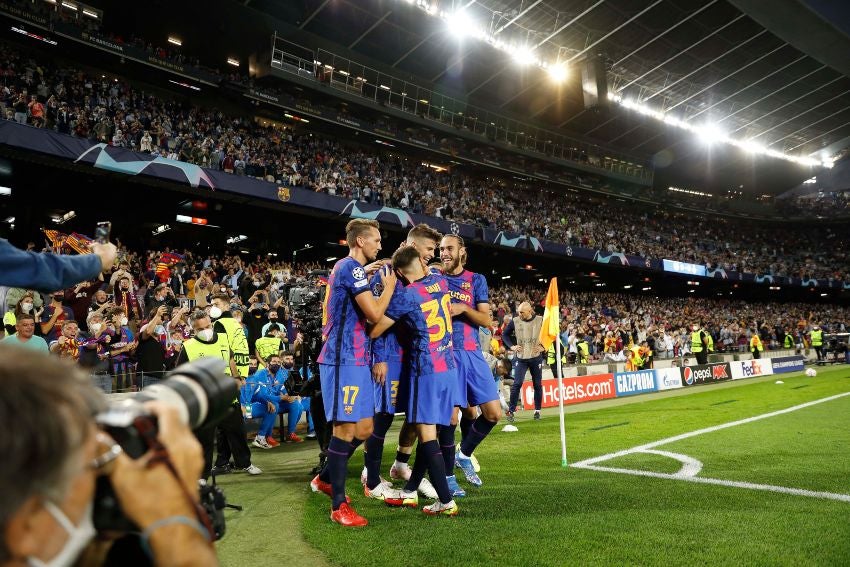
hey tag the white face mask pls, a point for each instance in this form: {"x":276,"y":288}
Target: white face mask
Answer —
{"x":124,"y":321}
{"x":205,"y":335}
{"x":95,"y":327}
{"x":26,"y":307}
{"x":215,"y":312}
{"x":78,"y":537}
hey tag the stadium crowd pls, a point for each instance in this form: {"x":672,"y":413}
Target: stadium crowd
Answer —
{"x":665,"y":323}
{"x":85,"y":104}
{"x":113,"y":326}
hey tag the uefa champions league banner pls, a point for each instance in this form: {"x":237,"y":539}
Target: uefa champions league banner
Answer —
{"x":122,"y":160}
{"x":784,"y":364}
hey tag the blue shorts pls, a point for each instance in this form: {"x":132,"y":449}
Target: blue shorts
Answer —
{"x":432,"y":398}
{"x":347,"y":392}
{"x":386,"y":395}
{"x":476,"y":382}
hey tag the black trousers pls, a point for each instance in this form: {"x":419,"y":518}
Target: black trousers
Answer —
{"x":229,"y":436}
{"x":702,"y":357}
{"x":819,"y":352}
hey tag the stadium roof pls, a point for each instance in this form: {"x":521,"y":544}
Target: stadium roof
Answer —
{"x":732,"y":63}
{"x":771,"y":73}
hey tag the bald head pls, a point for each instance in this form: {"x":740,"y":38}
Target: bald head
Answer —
{"x":526,"y":311}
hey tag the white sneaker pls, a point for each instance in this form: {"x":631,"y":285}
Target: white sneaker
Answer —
{"x":400,"y":473}
{"x":427,"y":489}
{"x":261,"y":443}
{"x":364,"y":476}
{"x":381,"y":492}
{"x":440,"y":509}
{"x":253,"y":470}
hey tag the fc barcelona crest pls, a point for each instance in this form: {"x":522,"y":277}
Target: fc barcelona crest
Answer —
{"x":283,"y":194}
{"x":466,"y":285}
{"x":348,"y":410}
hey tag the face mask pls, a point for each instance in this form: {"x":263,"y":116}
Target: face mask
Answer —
{"x":95,"y":327}
{"x":257,"y":284}
{"x":78,"y":537}
{"x":27,"y":307}
{"x":124,"y":321}
{"x":177,"y":343}
{"x":215,"y":312}
{"x":252,"y":369}
{"x":274,"y":368}
{"x":224,"y":290}
{"x":288,"y":365}
{"x":205,"y":335}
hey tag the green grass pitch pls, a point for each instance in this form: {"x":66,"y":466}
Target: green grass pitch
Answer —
{"x":531,"y":511}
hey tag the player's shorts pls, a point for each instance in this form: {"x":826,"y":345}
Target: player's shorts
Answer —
{"x":386,"y":395}
{"x":347,"y":392}
{"x":432,"y":397}
{"x":476,"y":382}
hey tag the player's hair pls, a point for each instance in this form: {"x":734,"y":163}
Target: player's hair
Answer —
{"x":271,"y":356}
{"x":358,"y":227}
{"x":273,"y":327}
{"x":459,"y":238}
{"x":424,"y":231}
{"x":222,"y":296}
{"x":404,"y":257}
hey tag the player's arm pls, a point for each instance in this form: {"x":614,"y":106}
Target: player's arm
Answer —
{"x":479,"y":316}
{"x":372,"y":309}
{"x":381,"y":326}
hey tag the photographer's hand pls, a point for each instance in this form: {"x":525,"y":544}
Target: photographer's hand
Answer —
{"x":149,"y":494}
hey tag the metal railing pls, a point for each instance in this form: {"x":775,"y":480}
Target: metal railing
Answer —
{"x":359,"y":80}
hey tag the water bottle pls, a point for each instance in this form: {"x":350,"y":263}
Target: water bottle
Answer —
{"x":248,"y":411}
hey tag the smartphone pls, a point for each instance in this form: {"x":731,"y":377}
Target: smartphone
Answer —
{"x":101,"y":233}
{"x":184,"y":303}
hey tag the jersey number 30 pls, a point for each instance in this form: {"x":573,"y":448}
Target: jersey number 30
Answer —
{"x":433,"y":319}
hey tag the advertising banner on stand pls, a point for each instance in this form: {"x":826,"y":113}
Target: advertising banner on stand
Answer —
{"x":784,"y":364}
{"x":577,"y":389}
{"x":751,"y":368}
{"x":668,"y":378}
{"x":631,"y":383}
{"x":705,"y":374}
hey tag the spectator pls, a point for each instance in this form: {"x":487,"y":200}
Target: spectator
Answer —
{"x":24,"y":334}
{"x":54,"y":315}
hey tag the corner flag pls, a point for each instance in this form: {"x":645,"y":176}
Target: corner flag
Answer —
{"x":550,"y":329}
{"x":549,"y":334}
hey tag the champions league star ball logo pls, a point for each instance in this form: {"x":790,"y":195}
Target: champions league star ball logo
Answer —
{"x":358,"y":273}
{"x":455,"y":228}
{"x":569,"y":251}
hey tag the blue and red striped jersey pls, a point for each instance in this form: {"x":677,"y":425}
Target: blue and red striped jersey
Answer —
{"x":469,"y":288}
{"x":343,"y":324}
{"x":424,"y":307}
{"x":387,"y":347}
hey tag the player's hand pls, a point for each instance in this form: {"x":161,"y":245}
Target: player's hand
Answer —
{"x":270,"y":407}
{"x":388,"y":278}
{"x":375,"y":266}
{"x":379,"y":372}
{"x":458,"y":309}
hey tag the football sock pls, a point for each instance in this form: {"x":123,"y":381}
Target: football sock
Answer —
{"x":372,"y":458}
{"x":477,"y":432}
{"x":465,"y":424}
{"x":446,"y":437}
{"x":437,"y":470}
{"x":420,"y":465}
{"x":338,"y":454}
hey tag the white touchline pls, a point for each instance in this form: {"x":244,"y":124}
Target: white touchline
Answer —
{"x":691,"y":466}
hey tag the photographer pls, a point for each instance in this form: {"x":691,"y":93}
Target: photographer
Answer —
{"x":54,"y":459}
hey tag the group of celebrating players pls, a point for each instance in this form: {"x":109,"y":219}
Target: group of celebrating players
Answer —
{"x":404,"y":340}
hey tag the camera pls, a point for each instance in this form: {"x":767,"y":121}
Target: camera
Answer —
{"x":202,"y":394}
{"x":305,"y":304}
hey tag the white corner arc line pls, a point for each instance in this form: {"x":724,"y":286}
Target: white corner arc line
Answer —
{"x":722,"y":482}
{"x":690,"y":465}
{"x":640,"y":448}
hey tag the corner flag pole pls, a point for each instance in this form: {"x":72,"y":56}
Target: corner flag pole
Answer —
{"x":560,"y":392}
